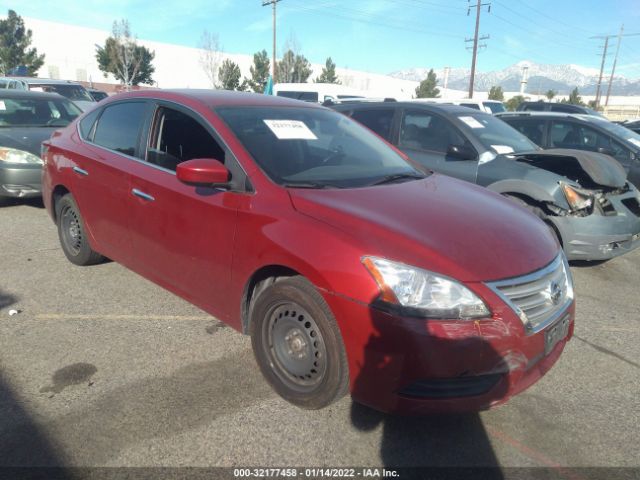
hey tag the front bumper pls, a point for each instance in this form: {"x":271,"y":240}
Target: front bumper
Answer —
{"x":20,"y":180}
{"x":601,"y":237}
{"x":419,"y":366}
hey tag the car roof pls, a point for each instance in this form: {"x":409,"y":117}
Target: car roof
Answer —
{"x":445,"y":108}
{"x":22,"y":94}
{"x":45,"y":81}
{"x":579,"y":116}
{"x":214,"y":98}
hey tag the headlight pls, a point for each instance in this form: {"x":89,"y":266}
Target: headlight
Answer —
{"x":423,"y":293}
{"x":11,"y":155}
{"x":577,"y":198}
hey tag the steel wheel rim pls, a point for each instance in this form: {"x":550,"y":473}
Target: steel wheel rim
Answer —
{"x":295,"y":346}
{"x":71,"y":230}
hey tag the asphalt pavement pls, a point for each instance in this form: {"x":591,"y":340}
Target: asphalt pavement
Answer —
{"x":101,"y":367}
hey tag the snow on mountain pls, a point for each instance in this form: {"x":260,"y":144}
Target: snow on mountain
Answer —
{"x":562,"y":78}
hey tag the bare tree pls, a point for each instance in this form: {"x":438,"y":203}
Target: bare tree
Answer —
{"x":210,"y":56}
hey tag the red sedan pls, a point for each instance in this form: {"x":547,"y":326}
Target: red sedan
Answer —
{"x":350,"y":268}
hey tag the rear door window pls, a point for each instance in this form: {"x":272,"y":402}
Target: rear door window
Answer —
{"x":379,"y":120}
{"x":531,"y":127}
{"x":119,"y":127}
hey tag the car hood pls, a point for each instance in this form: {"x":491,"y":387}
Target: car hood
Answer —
{"x":84,"y":105}
{"x":440,"y":224}
{"x":25,"y":138}
{"x":600,"y":168}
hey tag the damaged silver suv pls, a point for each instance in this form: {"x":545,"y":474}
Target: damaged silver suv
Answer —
{"x":584,"y":197}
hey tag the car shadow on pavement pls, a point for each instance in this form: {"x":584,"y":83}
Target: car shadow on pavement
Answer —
{"x":448,"y":445}
{"x":35,"y":202}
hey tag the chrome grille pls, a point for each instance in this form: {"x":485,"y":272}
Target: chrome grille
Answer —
{"x":538,"y":298}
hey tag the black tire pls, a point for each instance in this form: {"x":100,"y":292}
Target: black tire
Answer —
{"x":72,"y":233}
{"x":298,"y":345}
{"x":538,"y":212}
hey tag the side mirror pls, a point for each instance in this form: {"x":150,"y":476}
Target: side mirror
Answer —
{"x":203,"y":171}
{"x":461,"y":152}
{"x":606,"y":151}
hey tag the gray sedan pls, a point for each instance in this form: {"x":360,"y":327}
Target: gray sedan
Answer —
{"x":26,"y":119}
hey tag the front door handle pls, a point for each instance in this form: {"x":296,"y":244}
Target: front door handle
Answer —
{"x":80,"y":171}
{"x":144,"y":196}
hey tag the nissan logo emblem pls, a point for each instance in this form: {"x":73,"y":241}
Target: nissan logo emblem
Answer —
{"x":555,"y":293}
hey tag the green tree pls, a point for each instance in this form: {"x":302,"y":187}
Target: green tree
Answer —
{"x":513,"y":102}
{"x":259,"y":72}
{"x":496,"y":93}
{"x":293,"y":68}
{"x":427,"y":87}
{"x":328,"y":74}
{"x":550,"y":94}
{"x":574,"y":98}
{"x":121,"y":56}
{"x":229,"y":76}
{"x":15,"y":40}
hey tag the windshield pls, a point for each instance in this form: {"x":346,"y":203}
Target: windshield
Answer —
{"x":315,"y":148}
{"x":495,"y":107}
{"x":621,"y":132}
{"x":23,"y":112}
{"x":495,"y":134}
{"x":70,"y":91}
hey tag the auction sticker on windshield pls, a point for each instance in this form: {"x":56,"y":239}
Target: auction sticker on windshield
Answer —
{"x":290,"y":130}
{"x":472,"y":122}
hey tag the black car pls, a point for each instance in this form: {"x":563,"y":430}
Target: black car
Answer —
{"x":26,"y":119}
{"x":541,"y":106}
{"x":584,"y":197}
{"x":96,"y":94}
{"x":633,"y":125}
{"x":581,"y":132}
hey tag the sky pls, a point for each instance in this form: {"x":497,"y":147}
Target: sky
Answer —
{"x":378,"y":36}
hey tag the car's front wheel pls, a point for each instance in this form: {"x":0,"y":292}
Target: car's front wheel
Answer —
{"x":298,"y":344}
{"x":72,"y":233}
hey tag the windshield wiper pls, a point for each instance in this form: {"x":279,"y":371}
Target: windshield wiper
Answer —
{"x":315,"y":185}
{"x":398,"y":176}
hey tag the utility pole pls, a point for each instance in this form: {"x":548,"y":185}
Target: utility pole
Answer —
{"x":613,"y":69}
{"x":604,"y":54}
{"x":273,"y":60}
{"x":525,"y":77}
{"x":445,"y":81}
{"x":478,"y":6}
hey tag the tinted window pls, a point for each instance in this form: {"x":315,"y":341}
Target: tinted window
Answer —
{"x":313,"y":147}
{"x":71,"y":91}
{"x":581,"y":137}
{"x":494,"y":107}
{"x":30,"y":112}
{"x":534,"y":107}
{"x":559,"y":107}
{"x":377,"y":119}
{"x":532,"y":128}
{"x":176,"y":138}
{"x":304,"y":96}
{"x":119,"y":126}
{"x":475,"y":106}
{"x":423,"y":131}
{"x":86,"y":124}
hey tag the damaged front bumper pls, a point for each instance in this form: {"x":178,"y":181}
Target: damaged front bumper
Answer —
{"x":603,"y":234}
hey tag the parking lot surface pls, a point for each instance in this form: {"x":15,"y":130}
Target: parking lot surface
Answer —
{"x":102,"y":368}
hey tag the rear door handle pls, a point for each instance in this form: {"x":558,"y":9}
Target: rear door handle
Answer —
{"x":80,"y":171}
{"x":144,"y":196}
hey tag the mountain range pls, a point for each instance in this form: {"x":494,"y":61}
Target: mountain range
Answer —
{"x":542,"y":77}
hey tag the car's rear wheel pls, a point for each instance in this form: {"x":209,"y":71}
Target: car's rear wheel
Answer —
{"x":298,"y":344}
{"x":72,"y":233}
